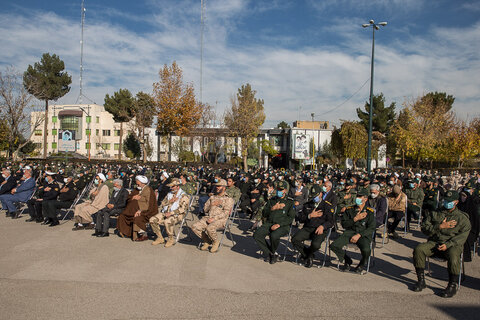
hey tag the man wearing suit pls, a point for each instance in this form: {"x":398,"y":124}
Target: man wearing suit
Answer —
{"x":8,"y":182}
{"x":115,"y":206}
{"x":49,"y":190}
{"x":19,"y":194}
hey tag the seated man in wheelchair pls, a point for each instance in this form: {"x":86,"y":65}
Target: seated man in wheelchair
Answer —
{"x":359,"y":224}
{"x":317,"y":216}
{"x":447,"y":231}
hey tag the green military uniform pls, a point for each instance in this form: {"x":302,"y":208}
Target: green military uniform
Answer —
{"x":430,"y":202}
{"x":346,"y":198}
{"x":283,"y":217}
{"x":415,"y":196}
{"x":234,"y":193}
{"x":365,"y":227}
{"x":109,"y":184}
{"x":454,"y":238}
{"x":189,"y":188}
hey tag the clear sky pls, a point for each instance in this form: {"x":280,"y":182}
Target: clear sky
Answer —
{"x":301,"y":56}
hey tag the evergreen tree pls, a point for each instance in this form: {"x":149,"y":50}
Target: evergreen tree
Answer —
{"x":382,"y":118}
{"x":132,"y":147}
{"x":47,"y":80}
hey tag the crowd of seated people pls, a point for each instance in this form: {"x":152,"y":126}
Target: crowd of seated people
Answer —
{"x":307,"y":205}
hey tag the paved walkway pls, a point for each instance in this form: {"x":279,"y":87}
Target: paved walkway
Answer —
{"x":55,"y":273}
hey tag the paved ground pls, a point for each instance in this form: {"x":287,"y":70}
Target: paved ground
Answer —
{"x":54,"y":273}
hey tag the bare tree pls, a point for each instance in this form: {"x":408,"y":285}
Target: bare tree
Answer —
{"x":16,"y":106}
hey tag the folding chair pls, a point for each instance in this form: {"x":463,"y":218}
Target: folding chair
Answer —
{"x":372,"y":254}
{"x":184,"y":220}
{"x":289,"y":240}
{"x":224,"y":231}
{"x":21,"y":206}
{"x":441,"y":259}
{"x":77,"y":199}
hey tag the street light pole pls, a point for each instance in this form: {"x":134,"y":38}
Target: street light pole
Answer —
{"x":370,"y":111}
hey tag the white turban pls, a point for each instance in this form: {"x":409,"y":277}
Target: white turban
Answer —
{"x":142,"y":179}
{"x":102,"y":176}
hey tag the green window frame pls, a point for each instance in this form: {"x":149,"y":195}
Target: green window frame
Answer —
{"x":54,"y":145}
{"x":116,"y":146}
{"x":88,"y":146}
{"x":38,"y":132}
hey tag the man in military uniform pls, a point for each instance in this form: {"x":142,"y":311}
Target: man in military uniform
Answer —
{"x":317,"y":217}
{"x":65,"y":199}
{"x":279,"y":213}
{"x":415,"y":197}
{"x":47,"y":191}
{"x":430,"y":202}
{"x":187,"y":185}
{"x":359,"y":224}
{"x":447,"y":231}
{"x":232,"y":191}
{"x":217,"y":210}
{"x":172,"y":210}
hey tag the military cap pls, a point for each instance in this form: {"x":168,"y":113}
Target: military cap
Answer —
{"x":362,"y":192}
{"x":451,"y":195}
{"x":316,"y":189}
{"x":282,"y":185}
{"x":174,"y":182}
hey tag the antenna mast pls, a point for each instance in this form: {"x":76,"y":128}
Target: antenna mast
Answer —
{"x":202,"y":28}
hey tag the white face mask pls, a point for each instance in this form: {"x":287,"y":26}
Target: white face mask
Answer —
{"x":65,"y":180}
{"x":374,"y":195}
{"x":4,"y":176}
{"x":139,"y":188}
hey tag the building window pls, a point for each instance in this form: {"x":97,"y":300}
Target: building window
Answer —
{"x":106,"y":133}
{"x":54,"y":145}
{"x":54,"y":132}
{"x":116,"y":146}
{"x":98,"y":120}
{"x":38,"y":132}
{"x":87,"y":146}
{"x":106,"y":146}
{"x":116,"y":133}
{"x":69,"y":123}
{"x":98,"y":131}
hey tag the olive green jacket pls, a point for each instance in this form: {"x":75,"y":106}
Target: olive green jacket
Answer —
{"x":451,"y":237}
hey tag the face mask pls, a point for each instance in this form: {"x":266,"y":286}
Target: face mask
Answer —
{"x":342,"y":183}
{"x":46,"y":180}
{"x":257,"y":181}
{"x":358,"y":201}
{"x":281,"y":178}
{"x":373,"y":195}
{"x":216,"y":180}
{"x":391,"y":183}
{"x":411,"y":185}
{"x":4,"y":176}
{"x":448,"y":205}
{"x":316,"y":199}
{"x":65,"y":180}
{"x":279,"y":194}
{"x":95,"y":181}
{"x":324,"y":189}
{"x":116,"y":188}
{"x":139,"y":188}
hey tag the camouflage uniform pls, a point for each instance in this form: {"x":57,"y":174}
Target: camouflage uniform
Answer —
{"x":178,"y":214}
{"x":218,"y":208}
{"x":234,"y":193}
{"x":190,"y":188}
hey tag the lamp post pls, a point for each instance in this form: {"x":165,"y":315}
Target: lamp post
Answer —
{"x":374,"y":26}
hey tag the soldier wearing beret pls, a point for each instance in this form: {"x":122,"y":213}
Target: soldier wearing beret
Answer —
{"x":279,"y":213}
{"x":447,"y":231}
{"x":359,"y":224}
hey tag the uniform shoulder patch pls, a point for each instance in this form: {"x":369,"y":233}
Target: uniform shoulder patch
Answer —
{"x":370,"y":209}
{"x":328,"y":203}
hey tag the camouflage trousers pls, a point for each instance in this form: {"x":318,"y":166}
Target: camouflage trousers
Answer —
{"x":157,"y":220}
{"x":210,"y":229}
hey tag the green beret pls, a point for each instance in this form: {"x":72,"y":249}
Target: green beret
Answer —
{"x":316,"y":189}
{"x":362,"y":192}
{"x":282,"y":185}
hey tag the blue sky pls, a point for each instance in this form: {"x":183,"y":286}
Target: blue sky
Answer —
{"x":301,"y":56}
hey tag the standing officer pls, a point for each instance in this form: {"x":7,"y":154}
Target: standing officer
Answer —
{"x":48,"y":191}
{"x":279,"y":213}
{"x":359,"y":224}
{"x":447,"y":231}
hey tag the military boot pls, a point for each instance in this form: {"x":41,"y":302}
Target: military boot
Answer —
{"x":170,"y":242}
{"x":158,"y":241}
{"x":215,"y":246}
{"x":206,"y":242}
{"x":451,"y":288}
{"x":420,"y":285}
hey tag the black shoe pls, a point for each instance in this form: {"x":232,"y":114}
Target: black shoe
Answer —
{"x":96,"y":233}
{"x":449,"y":291}
{"x":30,"y":220}
{"x":420,"y":285}
{"x":347,"y":264}
{"x":47,"y":221}
{"x":103,"y":234}
{"x":360,"y":269}
{"x":273,"y":258}
{"x":54,"y":223}
{"x":38,"y":220}
{"x":309,"y":262}
{"x":78,"y":227}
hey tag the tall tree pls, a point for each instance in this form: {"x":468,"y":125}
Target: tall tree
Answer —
{"x":121,"y":106}
{"x":382,"y":117}
{"x":47,"y":80}
{"x":462,"y":143}
{"x":245,"y":118}
{"x":16,"y":106}
{"x":177,"y":110}
{"x":354,"y":140}
{"x":283,"y":125}
{"x":440,"y":100}
{"x":131,"y":147}
{"x":144,"y":111}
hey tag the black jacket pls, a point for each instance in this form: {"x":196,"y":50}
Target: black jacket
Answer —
{"x":8,"y":186}
{"x":119,"y":200}
{"x":327,"y":206}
